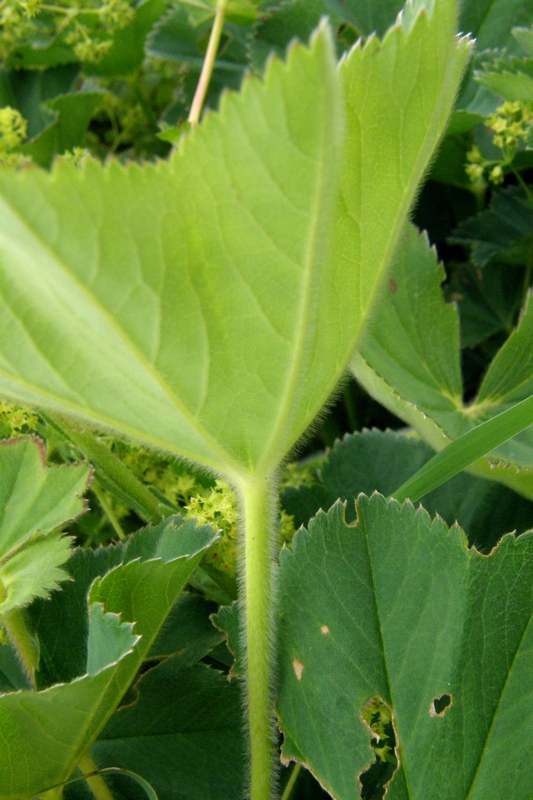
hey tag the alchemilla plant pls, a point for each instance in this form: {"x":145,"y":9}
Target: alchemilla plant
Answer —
{"x":212,"y":220}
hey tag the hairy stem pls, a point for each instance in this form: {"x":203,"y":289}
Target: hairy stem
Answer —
{"x":96,"y":783}
{"x":23,"y":641}
{"x":209,"y":62}
{"x":258,"y":629}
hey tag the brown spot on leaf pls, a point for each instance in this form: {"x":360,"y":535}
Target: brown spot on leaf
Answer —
{"x":324,"y":629}
{"x":298,"y":668}
{"x":393,"y":286}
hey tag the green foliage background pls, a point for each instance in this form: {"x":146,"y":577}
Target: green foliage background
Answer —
{"x":449,"y":346}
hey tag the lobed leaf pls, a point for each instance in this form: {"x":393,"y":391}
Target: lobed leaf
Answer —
{"x":379,"y":461}
{"x":35,"y":501}
{"x":492,"y":22}
{"x":511,"y":79}
{"x":488,"y":300}
{"x":148,"y":299}
{"x":50,"y":730}
{"x":397,"y":610}
{"x":182,"y":733}
{"x":506,"y":223}
{"x":396,"y":363}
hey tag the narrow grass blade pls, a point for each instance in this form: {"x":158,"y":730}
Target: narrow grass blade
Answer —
{"x":466,"y":450}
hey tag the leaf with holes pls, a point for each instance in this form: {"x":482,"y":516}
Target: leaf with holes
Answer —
{"x":396,"y":619}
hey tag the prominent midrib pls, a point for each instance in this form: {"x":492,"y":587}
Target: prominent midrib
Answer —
{"x":310,"y":266}
{"x":198,"y":428}
{"x":399,"y":747}
{"x":417,"y":168}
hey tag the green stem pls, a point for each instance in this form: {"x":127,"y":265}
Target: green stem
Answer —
{"x":98,"y":786}
{"x":258,"y":580}
{"x":290,"y":783}
{"x":108,"y":511}
{"x":23,"y":640}
{"x":209,"y":62}
{"x":53,"y":794}
{"x":522,"y":183}
{"x":111,"y":468}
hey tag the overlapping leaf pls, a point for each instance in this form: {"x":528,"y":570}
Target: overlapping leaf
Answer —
{"x":381,"y":461}
{"x":50,"y":730}
{"x":204,"y":305}
{"x":492,"y":22}
{"x":35,"y":502}
{"x":505,"y":224}
{"x":397,"y":608}
{"x":409,"y":360}
{"x":183,"y":734}
{"x":488,"y":300}
{"x":511,"y":79}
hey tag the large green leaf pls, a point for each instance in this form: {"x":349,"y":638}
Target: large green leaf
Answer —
{"x":409,"y":361}
{"x":380,"y":461}
{"x":183,"y":734}
{"x":50,"y":730}
{"x":35,"y":502}
{"x":398,"y":608}
{"x":61,"y":623}
{"x":204,"y":305}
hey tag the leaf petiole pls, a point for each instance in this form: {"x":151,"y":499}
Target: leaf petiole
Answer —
{"x":259,"y":633}
{"x":209,"y":62}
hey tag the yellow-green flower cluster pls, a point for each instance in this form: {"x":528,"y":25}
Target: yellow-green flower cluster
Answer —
{"x":13,"y":131}
{"x":378,"y":717}
{"x":13,"y":128}
{"x":218,"y":507}
{"x":511,"y":124}
{"x":16,"y":420}
{"x":215,"y":505}
{"x":16,"y":24}
{"x":477,"y":165}
{"x":31,"y":7}
{"x":87,"y":26}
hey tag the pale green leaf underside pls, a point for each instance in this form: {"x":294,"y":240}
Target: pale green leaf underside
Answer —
{"x":45,"y":733}
{"x":35,"y":500}
{"x":409,"y":359}
{"x":399,"y":608}
{"x":210,"y":304}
